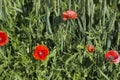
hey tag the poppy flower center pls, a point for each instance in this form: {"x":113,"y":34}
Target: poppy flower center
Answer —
{"x":110,"y":58}
{"x":69,"y":15}
{"x":40,"y":53}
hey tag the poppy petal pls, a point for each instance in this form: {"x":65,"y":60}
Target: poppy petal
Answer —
{"x":41,"y":52}
{"x":114,"y":54}
{"x":3,"y":38}
{"x":90,"y":48}
{"x":69,"y":15}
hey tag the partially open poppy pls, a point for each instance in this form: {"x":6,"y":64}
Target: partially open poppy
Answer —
{"x":41,"y":52}
{"x":69,"y":15}
{"x":3,"y":38}
{"x":90,"y":48}
{"x":112,"y":56}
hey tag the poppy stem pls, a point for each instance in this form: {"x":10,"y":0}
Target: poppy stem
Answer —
{"x":3,"y":51}
{"x":69,"y":4}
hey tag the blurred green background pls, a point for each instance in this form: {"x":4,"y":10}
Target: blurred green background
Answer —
{"x":32,"y":22}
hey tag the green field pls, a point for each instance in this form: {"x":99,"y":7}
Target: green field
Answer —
{"x":32,"y":22}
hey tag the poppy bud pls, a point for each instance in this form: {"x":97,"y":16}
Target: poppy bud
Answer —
{"x":90,"y":48}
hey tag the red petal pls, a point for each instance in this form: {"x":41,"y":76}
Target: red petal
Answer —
{"x":90,"y":48}
{"x":43,"y":49}
{"x":69,"y":15}
{"x":64,"y":16}
{"x":4,"y":38}
{"x":112,"y":53}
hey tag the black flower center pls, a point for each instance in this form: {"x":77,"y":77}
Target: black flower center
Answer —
{"x":110,"y":58}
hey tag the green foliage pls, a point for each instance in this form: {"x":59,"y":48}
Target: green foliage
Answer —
{"x":32,"y":22}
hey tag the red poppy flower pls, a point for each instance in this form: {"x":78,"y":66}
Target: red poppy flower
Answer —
{"x":112,"y":56}
{"x":41,"y":52}
{"x":3,"y":38}
{"x":69,"y":15}
{"x":90,"y":48}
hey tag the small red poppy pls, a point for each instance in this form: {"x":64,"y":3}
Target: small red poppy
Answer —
{"x":41,"y":52}
{"x":69,"y":15}
{"x":90,"y":48}
{"x":3,"y":38}
{"x":112,"y":56}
